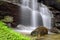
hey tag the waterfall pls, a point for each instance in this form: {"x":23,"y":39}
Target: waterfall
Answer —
{"x":25,"y":2}
{"x":46,"y":16}
{"x":34,"y":19}
{"x":32,"y":15}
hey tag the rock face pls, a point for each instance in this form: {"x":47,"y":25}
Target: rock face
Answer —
{"x":55,"y":30}
{"x":40,"y":31}
{"x":53,"y":3}
{"x":9,"y":9}
{"x":56,"y":18}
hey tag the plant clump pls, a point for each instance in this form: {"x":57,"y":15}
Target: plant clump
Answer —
{"x":9,"y":34}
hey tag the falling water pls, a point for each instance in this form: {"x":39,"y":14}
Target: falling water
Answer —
{"x":34,"y":13}
{"x":46,"y":16}
{"x":33,"y":5}
{"x":28,"y":14}
{"x":25,"y":2}
{"x":34,"y":20}
{"x":31,"y":14}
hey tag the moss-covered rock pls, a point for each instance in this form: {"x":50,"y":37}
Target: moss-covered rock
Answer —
{"x":40,"y":31}
{"x":9,"y":34}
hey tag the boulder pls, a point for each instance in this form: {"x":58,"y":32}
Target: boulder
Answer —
{"x":39,"y":31}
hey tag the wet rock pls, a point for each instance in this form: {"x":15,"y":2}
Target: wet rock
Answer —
{"x":39,"y":31}
{"x":55,"y":30}
{"x":52,"y":3}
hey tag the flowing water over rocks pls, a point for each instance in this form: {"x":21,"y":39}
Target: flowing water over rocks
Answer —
{"x":34,"y":14}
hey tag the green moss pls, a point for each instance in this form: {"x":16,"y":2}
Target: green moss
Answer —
{"x":9,"y":34}
{"x":58,"y":1}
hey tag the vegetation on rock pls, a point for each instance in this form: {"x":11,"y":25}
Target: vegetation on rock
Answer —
{"x":7,"y":19}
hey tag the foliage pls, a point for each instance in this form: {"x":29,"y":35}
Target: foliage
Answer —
{"x":8,"y":19}
{"x":9,"y":34}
